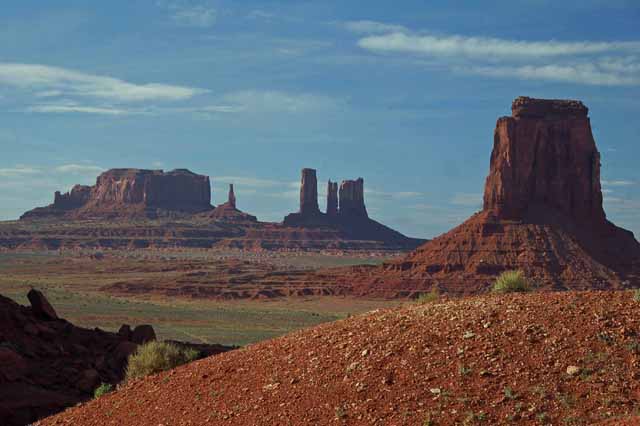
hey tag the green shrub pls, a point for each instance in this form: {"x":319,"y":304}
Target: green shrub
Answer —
{"x":103,"y":389}
{"x":636,"y":295}
{"x":154,"y":357}
{"x":432,"y":296}
{"x":511,"y":282}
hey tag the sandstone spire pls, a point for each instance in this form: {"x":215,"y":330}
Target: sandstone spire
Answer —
{"x":332,"y":199}
{"x":232,"y":197}
{"x":309,"y":193}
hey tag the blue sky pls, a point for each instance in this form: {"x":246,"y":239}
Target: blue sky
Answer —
{"x":405,"y":94}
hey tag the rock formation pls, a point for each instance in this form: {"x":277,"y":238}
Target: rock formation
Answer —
{"x":132,"y":193}
{"x":332,"y":199}
{"x":48,"y":364}
{"x":542,"y":214}
{"x":309,"y":213}
{"x":309,"y":193}
{"x":346,"y":213}
{"x":232,"y":197}
{"x":352,"y":199}
{"x":228,"y":212}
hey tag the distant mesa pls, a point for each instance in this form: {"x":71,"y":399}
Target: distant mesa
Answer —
{"x":132,"y":193}
{"x":228,"y":212}
{"x":542,"y":213}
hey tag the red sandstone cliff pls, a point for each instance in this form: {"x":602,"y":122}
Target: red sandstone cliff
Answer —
{"x":542,"y":213}
{"x":132,"y":193}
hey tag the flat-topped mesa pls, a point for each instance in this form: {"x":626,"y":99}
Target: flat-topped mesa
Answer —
{"x":332,"y":199}
{"x":545,"y":160}
{"x":179,"y":189}
{"x":525,"y":107}
{"x":351,"y":200}
{"x":132,"y":192}
{"x":309,"y":193}
{"x":232,"y":197}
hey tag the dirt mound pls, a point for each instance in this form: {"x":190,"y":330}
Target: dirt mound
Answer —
{"x":482,"y":360}
{"x":48,"y":364}
{"x":542,"y":214}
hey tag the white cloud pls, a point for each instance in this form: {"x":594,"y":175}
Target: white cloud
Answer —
{"x":79,"y":169}
{"x":620,"y":182}
{"x":466,"y":199}
{"x":276,"y":101}
{"x":53,"y":81}
{"x":18,"y":171}
{"x":603,"y":63}
{"x":196,"y":16}
{"x":457,"y":45}
{"x":372,"y":27}
{"x":53,"y":108}
{"x":580,"y":73}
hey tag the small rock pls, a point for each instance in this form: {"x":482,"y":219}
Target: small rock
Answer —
{"x":573,"y":370}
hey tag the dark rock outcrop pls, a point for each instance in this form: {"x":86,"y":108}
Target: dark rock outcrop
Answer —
{"x":41,"y":306}
{"x":142,"y":334}
{"x":132,"y":193}
{"x":47,"y":365}
{"x":352,"y":199}
{"x":332,"y":199}
{"x":542,"y":214}
{"x":309,"y":193}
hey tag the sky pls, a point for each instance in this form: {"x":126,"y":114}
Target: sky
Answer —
{"x":404,"y":94}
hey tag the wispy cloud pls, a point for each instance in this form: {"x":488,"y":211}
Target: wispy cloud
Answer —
{"x":605,"y":63}
{"x":277,"y":101}
{"x":466,"y":199}
{"x":190,"y":13}
{"x":79,"y":169}
{"x":54,"y":81}
{"x":18,"y":171}
{"x":457,"y":45}
{"x":57,"y":108}
{"x":620,"y":182}
{"x":590,"y":74}
{"x":372,"y":27}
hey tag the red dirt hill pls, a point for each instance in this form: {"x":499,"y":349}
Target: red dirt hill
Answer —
{"x":542,"y":214}
{"x":483,"y":360}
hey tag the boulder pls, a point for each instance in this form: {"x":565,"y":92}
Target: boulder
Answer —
{"x":41,"y":306}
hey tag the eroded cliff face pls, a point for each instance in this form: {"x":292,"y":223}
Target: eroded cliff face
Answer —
{"x":332,"y":199}
{"x":132,"y":192}
{"x":544,"y":157}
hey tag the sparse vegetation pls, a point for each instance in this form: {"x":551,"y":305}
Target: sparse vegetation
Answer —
{"x":636,"y":295}
{"x":103,"y":389}
{"x":430,"y":297}
{"x":154,"y":357}
{"x":511,"y":282}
